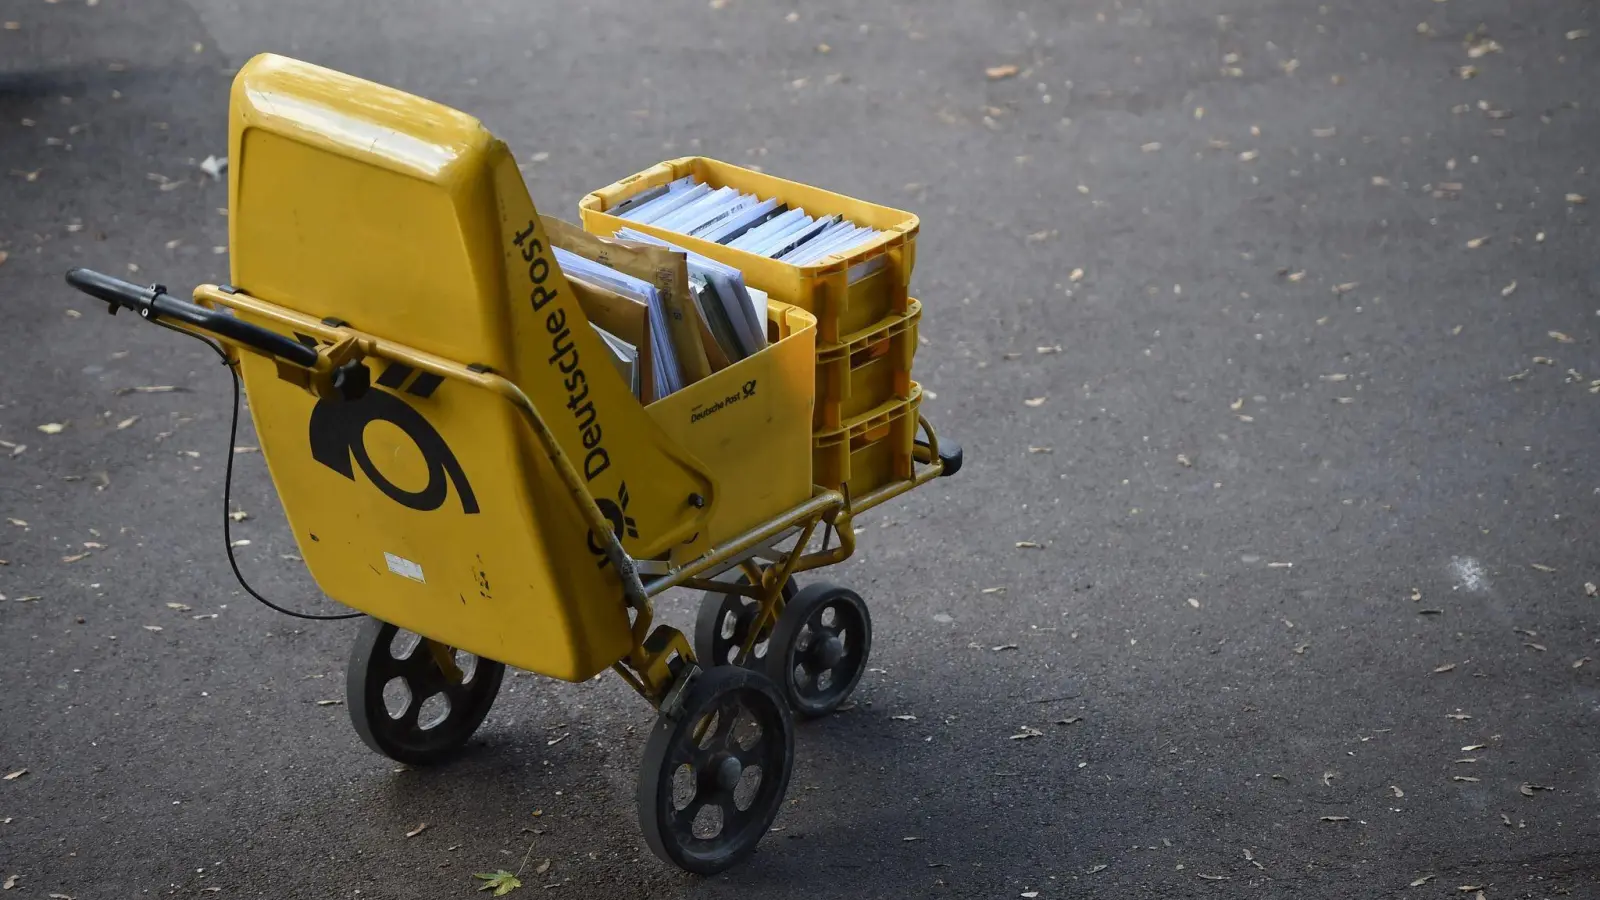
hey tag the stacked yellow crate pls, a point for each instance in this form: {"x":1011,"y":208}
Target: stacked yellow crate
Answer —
{"x":865,"y":419}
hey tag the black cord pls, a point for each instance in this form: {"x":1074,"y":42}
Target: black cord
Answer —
{"x":227,"y":488}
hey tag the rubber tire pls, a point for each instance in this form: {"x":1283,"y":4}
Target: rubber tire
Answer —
{"x":364,"y":696}
{"x":654,"y":798}
{"x":780,"y":659}
{"x":708,"y":623}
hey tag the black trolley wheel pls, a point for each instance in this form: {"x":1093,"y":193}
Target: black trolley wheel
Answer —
{"x":723,"y":623}
{"x":712,"y":779}
{"x":402,"y":702}
{"x":818,"y":648}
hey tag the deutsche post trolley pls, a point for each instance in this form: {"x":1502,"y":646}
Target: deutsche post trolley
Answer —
{"x":458,"y":460}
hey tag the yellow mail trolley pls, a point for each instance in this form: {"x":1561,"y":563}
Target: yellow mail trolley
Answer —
{"x":460,"y":461}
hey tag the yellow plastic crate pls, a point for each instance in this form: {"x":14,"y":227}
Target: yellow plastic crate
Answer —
{"x":869,"y":451}
{"x":866,"y":369}
{"x":825,"y":290}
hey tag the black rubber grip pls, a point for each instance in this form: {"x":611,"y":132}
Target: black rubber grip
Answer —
{"x":154,"y":303}
{"x":949,"y":454}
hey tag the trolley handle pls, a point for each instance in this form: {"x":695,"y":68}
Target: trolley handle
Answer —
{"x":155,"y":303}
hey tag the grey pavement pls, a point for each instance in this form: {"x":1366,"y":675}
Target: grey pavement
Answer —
{"x":1314,"y":470}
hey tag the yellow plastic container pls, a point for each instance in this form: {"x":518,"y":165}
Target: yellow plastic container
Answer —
{"x":751,"y":424}
{"x":866,"y":369}
{"x":842,"y":306}
{"x":871,"y":450}
{"x":428,"y":502}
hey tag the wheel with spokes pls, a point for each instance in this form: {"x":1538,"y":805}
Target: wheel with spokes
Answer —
{"x":414,"y":700}
{"x":819,"y":647}
{"x":723,"y":625}
{"x":713,"y":778}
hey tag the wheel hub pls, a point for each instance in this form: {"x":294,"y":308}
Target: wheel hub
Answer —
{"x":743,"y":619}
{"x":725,"y":772}
{"x":828,"y":650}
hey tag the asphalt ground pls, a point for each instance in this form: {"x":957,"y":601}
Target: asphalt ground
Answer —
{"x":1313,"y":471}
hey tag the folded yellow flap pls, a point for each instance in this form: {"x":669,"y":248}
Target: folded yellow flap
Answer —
{"x":667,"y":269}
{"x":429,"y":503}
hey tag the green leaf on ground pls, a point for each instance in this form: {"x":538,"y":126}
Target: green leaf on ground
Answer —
{"x":501,"y":882}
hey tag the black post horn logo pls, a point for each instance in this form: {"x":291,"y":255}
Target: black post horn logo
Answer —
{"x":622,"y":524}
{"x":336,"y":434}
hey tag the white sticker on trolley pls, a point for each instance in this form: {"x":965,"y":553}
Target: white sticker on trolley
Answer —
{"x":405,"y":568}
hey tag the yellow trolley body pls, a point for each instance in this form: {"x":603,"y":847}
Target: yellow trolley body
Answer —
{"x":428,"y":503}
